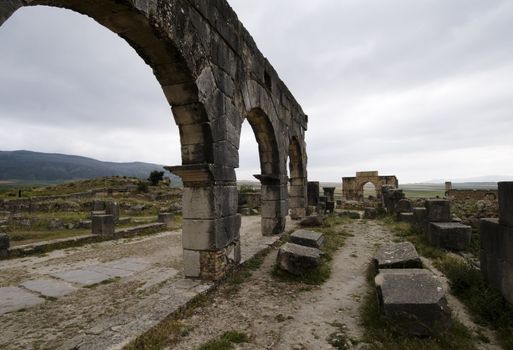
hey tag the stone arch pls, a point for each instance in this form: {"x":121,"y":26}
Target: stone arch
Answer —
{"x":273,"y":191}
{"x":361,"y":190}
{"x":298,"y":180}
{"x":213,"y":76}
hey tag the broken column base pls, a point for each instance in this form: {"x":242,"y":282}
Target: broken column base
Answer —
{"x":297,"y":259}
{"x":449,"y":235}
{"x":103,"y":225}
{"x":413,"y":300}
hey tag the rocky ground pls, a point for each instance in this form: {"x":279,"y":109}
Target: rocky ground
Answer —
{"x":274,"y":314}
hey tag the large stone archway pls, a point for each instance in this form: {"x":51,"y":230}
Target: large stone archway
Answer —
{"x":214,"y":77}
{"x":352,"y":187}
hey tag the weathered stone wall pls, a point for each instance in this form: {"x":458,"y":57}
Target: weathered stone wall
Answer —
{"x":454,"y":194}
{"x":497,"y":244}
{"x":352,"y":187}
{"x":214,"y":78}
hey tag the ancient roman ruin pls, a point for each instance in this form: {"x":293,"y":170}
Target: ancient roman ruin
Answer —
{"x":214,"y":78}
{"x":352,"y":187}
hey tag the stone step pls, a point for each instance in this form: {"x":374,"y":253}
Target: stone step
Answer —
{"x":307,"y":238}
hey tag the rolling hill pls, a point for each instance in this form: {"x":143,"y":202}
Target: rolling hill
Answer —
{"x":42,"y":167}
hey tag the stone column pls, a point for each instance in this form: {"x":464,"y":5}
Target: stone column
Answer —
{"x":211,"y":225}
{"x":297,"y":198}
{"x":274,"y":204}
{"x":329,"y":193}
{"x":313,"y":193}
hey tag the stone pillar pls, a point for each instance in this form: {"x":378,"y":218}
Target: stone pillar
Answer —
{"x":297,"y":198}
{"x":329,"y":193}
{"x":448,"y":186}
{"x":313,"y":193}
{"x":112,"y":208}
{"x":274,"y":204}
{"x":103,"y":225}
{"x":211,"y":225}
{"x":4,"y":245}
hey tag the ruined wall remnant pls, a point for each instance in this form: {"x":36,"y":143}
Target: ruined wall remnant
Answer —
{"x":497,"y":244}
{"x":457,"y":194}
{"x":214,"y":77}
{"x":352,"y":187}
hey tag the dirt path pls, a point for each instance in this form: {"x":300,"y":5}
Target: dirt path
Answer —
{"x":288,"y":316}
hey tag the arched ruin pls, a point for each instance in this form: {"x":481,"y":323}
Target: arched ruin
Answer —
{"x":214,"y":77}
{"x":352,"y":187}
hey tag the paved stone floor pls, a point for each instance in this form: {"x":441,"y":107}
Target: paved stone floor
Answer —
{"x":100,"y":295}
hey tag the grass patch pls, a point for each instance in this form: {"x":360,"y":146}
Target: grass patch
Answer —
{"x":485,"y":302}
{"x":335,"y":238}
{"x":225,"y":341}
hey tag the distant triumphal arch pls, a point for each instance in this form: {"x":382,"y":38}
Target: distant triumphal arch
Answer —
{"x":352,"y":187}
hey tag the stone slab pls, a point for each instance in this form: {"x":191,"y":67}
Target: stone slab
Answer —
{"x":134,"y":265}
{"x":298,"y":259}
{"x":397,"y":256}
{"x":49,"y":287}
{"x":414,"y":300}
{"x":450,"y":235}
{"x":82,"y":276}
{"x":307,"y":238}
{"x":109,"y":271}
{"x":15,"y":298}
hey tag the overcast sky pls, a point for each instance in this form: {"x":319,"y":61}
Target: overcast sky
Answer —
{"x":420,"y":89}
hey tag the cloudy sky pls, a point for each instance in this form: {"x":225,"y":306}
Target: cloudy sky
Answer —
{"x":421,"y":89}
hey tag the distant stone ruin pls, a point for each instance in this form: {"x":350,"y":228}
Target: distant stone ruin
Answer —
{"x":352,"y":187}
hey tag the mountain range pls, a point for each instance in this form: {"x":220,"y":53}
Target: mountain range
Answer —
{"x":41,"y":167}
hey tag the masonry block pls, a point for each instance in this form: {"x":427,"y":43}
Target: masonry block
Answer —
{"x":506,"y":203}
{"x":297,"y":259}
{"x":414,"y":300}
{"x":307,"y":238}
{"x":507,"y":281}
{"x":403,"y":206}
{"x":210,"y":202}
{"x":397,"y":256}
{"x":405,"y":217}
{"x":272,"y":209}
{"x":4,"y":245}
{"x":273,"y":226}
{"x":166,"y":218}
{"x":103,"y":225}
{"x":450,"y":235}
{"x":438,"y":210}
{"x":192,"y":266}
{"x":210,"y":234}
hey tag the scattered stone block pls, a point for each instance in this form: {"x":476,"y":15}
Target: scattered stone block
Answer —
{"x":397,"y":256}
{"x":406,"y":217}
{"x":438,"y":210}
{"x":414,"y":300}
{"x":370,"y":213}
{"x":506,"y":203}
{"x":15,"y":298}
{"x":103,"y":225}
{"x":311,"y":221}
{"x":307,"y":238}
{"x":87,"y":224}
{"x":450,"y":235}
{"x":403,"y":206}
{"x":166,"y":218}
{"x":298,"y":259}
